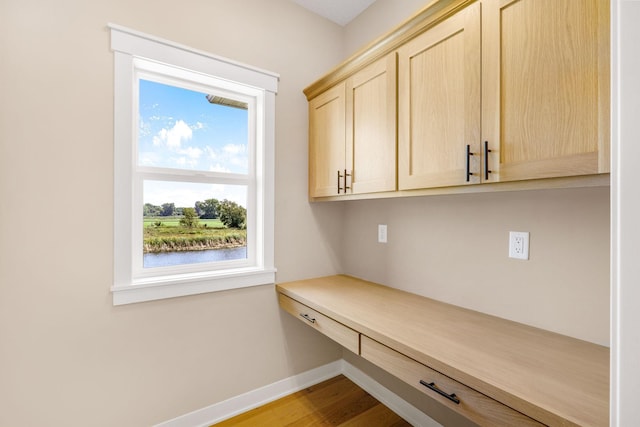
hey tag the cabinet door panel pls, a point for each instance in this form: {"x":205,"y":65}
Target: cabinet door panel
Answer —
{"x":545,"y":101}
{"x":326,"y":141}
{"x":371,"y":127}
{"x":439,"y":102}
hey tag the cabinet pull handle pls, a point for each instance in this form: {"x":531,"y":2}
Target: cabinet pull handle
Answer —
{"x":307,"y":317}
{"x":469,"y":154}
{"x":345,"y":181}
{"x":486,"y":160}
{"x":432,"y":386}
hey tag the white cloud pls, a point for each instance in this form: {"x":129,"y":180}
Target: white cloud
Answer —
{"x":230,"y":158}
{"x":183,"y":146}
{"x":188,"y":157}
{"x":234,"y":148}
{"x":147,"y":158}
{"x":174,"y":137}
{"x":160,"y":137}
{"x":180,"y":131}
{"x":211,"y":153}
{"x":193,"y":153}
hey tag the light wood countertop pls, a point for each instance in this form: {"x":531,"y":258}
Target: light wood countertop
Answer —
{"x":555,"y":379}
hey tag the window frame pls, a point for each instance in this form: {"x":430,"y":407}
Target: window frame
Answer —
{"x":135,"y":55}
{"x":164,"y":74}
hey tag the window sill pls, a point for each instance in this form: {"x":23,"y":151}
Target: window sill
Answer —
{"x":190,"y":284}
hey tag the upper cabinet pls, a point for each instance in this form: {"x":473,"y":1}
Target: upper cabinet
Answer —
{"x":488,"y":91}
{"x":439,"y":103}
{"x":327,"y":142}
{"x":545,"y":87}
{"x":352,"y":133}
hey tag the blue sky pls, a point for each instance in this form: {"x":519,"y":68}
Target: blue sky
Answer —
{"x":179,"y":128}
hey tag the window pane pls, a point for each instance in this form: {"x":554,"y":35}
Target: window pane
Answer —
{"x":184,"y":129}
{"x":189,"y":223}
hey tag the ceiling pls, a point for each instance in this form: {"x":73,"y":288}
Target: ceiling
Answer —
{"x":339,"y":11}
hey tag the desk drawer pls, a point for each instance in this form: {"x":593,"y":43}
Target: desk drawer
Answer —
{"x":473,"y":405}
{"x":336,"y":331}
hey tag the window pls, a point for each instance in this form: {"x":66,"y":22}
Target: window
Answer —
{"x":193,"y":171}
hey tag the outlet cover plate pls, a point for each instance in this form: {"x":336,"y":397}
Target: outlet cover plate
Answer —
{"x":519,"y":244}
{"x":382,"y":233}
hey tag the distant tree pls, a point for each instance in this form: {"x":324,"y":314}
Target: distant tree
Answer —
{"x":232,"y":214}
{"x":199,"y":209}
{"x":208,"y":209}
{"x":151,"y":210}
{"x":168,"y":209}
{"x":189,"y":219}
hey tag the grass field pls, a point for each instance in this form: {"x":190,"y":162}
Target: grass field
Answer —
{"x":174,"y":221}
{"x":170,"y":236}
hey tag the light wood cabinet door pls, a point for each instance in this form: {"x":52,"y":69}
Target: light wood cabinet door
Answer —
{"x":327,"y":141}
{"x":352,"y":133}
{"x":371,"y":127}
{"x":439,"y":103}
{"x":545,"y":91}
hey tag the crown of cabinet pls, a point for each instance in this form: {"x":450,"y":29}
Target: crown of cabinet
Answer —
{"x":488,"y":92}
{"x":434,"y":12}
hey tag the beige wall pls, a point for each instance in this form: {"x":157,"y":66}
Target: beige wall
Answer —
{"x":67,"y":356}
{"x":455,"y":249}
{"x":377,"y":19}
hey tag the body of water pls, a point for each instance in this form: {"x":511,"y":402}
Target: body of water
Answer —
{"x":166,"y":259}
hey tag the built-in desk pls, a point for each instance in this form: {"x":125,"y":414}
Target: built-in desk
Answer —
{"x":491,"y":370}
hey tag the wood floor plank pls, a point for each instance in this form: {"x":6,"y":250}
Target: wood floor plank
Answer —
{"x":379,"y":415}
{"x":349,"y":405}
{"x":335,"y":402}
{"x":290,"y":408}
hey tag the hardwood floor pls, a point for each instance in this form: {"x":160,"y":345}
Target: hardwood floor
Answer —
{"x":335,"y":402}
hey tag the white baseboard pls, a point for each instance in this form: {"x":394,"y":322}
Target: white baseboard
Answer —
{"x":239,"y":404}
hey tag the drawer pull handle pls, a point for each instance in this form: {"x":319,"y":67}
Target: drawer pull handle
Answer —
{"x":307,"y":317}
{"x":432,"y":386}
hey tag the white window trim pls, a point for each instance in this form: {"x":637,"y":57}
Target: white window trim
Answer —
{"x":127,"y":288}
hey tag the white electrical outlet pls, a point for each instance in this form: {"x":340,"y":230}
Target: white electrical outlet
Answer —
{"x":382,"y":233}
{"x":519,"y":244}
